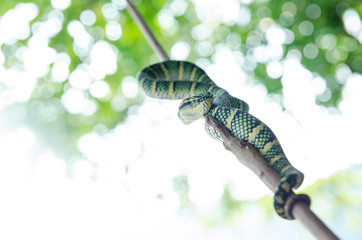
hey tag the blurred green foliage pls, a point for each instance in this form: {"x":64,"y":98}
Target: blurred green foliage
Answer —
{"x":314,"y":31}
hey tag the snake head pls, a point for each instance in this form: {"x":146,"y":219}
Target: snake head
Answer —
{"x":195,"y":107}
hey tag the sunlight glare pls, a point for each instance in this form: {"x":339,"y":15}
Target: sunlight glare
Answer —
{"x":110,"y":11}
{"x":88,"y":17}
{"x":178,"y":7}
{"x":343,"y":72}
{"x":129,"y":87}
{"x":274,"y":69}
{"x":83,"y":170}
{"x":244,"y":16}
{"x":74,"y":100}
{"x":180,"y":50}
{"x":119,"y":103}
{"x":99,"y":89}
{"x":113,"y":30}
{"x":205,"y":191}
{"x":89,"y":144}
{"x":14,"y":24}
{"x":120,"y":4}
{"x":19,"y":87}
{"x":201,"y":32}
{"x":80,"y":79}
{"x":60,"y":69}
{"x":276,"y":36}
{"x":103,"y":57}
{"x":60,"y":4}
{"x":353,"y":24}
{"x":351,"y":93}
{"x":50,"y":27}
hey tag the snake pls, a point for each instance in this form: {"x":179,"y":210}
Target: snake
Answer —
{"x":200,"y":95}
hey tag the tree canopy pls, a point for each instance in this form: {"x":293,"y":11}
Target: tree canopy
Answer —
{"x":68,"y":68}
{"x":91,"y":51}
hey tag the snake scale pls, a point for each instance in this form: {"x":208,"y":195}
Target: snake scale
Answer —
{"x":185,"y":80}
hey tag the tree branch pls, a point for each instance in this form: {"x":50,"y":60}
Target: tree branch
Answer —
{"x":152,"y":41}
{"x":298,"y":205}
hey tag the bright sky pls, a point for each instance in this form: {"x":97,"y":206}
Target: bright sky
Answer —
{"x":40,"y":201}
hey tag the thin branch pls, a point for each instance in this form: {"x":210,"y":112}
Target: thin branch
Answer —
{"x":152,"y":41}
{"x":298,"y":205}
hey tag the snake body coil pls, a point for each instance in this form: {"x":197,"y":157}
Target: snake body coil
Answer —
{"x":180,"y":80}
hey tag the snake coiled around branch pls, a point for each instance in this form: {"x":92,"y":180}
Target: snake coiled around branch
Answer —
{"x":185,"y":80}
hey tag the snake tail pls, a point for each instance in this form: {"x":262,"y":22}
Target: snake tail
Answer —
{"x":292,"y":179}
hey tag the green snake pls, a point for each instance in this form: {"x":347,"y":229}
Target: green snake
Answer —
{"x":185,"y":80}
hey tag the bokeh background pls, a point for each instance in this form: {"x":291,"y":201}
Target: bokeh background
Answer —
{"x":84,"y":154}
